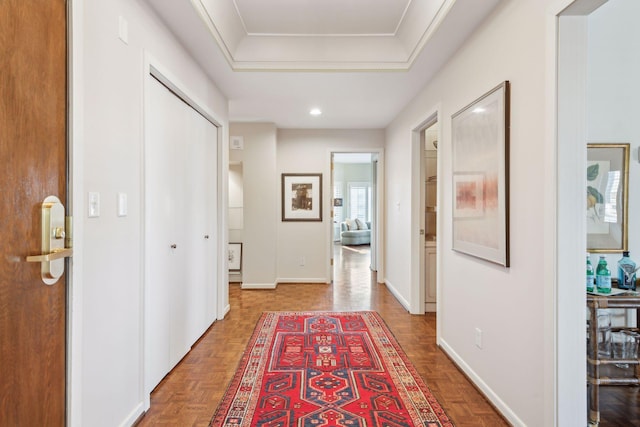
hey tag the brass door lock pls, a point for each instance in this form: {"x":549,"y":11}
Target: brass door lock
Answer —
{"x":54,"y":237}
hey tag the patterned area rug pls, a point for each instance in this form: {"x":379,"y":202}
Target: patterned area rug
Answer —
{"x":326,"y":369}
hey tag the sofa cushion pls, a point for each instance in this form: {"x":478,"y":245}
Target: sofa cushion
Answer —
{"x":361,"y":225}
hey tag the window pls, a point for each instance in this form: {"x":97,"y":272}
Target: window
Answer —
{"x":360,"y":200}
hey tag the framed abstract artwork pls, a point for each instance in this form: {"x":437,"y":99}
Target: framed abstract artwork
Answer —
{"x":480,"y":146}
{"x":301,"y":197}
{"x":607,"y":197}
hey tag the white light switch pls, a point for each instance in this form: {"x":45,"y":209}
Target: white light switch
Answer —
{"x":94,"y":205}
{"x":122,"y":204}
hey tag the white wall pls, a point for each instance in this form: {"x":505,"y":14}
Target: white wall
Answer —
{"x":507,"y":304}
{"x":307,"y":151}
{"x":613,"y":90}
{"x":106,"y":348}
{"x":260,"y":198}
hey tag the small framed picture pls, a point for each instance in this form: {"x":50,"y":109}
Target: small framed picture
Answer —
{"x":234,"y":256}
{"x":301,"y":197}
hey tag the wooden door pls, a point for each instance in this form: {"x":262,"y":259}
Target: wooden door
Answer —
{"x":33,"y":153}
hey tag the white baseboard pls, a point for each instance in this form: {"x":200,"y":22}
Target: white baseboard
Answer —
{"x":396,"y":294}
{"x":281,"y":281}
{"x":133,"y":416}
{"x":258,"y":285}
{"x":304,"y":280}
{"x":486,"y":390}
{"x":226,"y":311}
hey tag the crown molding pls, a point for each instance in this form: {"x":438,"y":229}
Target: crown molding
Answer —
{"x":327,"y":52}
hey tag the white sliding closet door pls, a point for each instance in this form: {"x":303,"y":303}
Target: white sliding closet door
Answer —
{"x":162,"y":130}
{"x":180,"y":229}
{"x":210,"y":256}
{"x":200,"y":194}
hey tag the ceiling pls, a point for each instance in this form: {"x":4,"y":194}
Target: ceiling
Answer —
{"x":359,"y":61}
{"x":326,"y":17}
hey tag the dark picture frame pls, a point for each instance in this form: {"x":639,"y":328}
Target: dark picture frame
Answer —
{"x":301,"y":197}
{"x":480,"y":182}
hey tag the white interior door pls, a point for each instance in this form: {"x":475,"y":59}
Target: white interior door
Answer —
{"x":210,"y":229}
{"x":162,"y":128}
{"x":180,"y":229}
{"x":200,"y":192}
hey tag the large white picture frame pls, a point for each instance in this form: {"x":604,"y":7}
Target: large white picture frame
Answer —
{"x":480,"y":146}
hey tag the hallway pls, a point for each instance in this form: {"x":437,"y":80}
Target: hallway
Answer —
{"x":189,"y":395}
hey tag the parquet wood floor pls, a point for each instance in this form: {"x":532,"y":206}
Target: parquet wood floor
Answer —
{"x":189,"y":395}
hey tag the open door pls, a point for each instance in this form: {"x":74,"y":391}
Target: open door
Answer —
{"x":354,"y":194}
{"x":33,"y":147}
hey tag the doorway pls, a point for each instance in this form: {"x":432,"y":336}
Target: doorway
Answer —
{"x":355,"y":207}
{"x":424,"y":242}
{"x":595,"y":60}
{"x":429,"y":204}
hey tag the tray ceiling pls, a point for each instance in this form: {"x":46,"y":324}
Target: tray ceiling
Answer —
{"x":327,"y":17}
{"x":322,"y":34}
{"x":360,"y":61}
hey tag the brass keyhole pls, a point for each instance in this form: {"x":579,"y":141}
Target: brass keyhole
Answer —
{"x":58,"y":233}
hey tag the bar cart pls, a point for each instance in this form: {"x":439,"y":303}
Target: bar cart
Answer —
{"x":605,"y":370}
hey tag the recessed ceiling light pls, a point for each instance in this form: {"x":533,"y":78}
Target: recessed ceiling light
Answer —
{"x":315,"y":112}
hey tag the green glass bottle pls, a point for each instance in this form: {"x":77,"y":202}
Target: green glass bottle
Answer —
{"x":603,"y":277}
{"x":590,"y":274}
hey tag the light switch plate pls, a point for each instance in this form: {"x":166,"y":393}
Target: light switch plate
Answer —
{"x":94,"y":204}
{"x":122,"y":204}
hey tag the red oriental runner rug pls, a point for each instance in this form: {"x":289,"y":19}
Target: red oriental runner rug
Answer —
{"x":326,"y":369}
